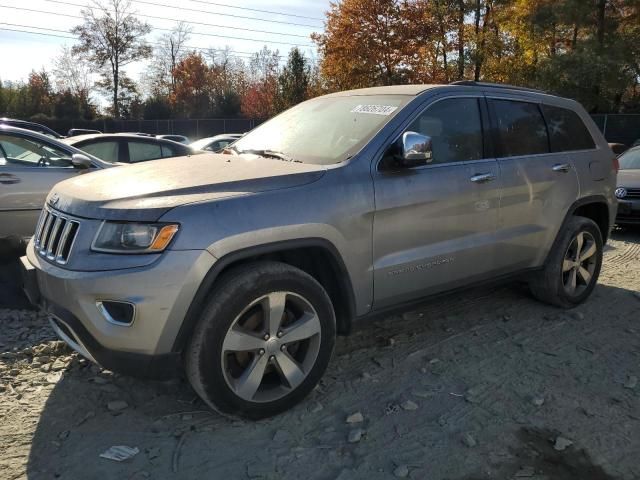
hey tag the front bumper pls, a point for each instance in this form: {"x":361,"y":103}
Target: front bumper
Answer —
{"x":628,"y":212}
{"x":161,"y":293}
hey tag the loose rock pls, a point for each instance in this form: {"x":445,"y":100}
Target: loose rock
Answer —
{"x":409,"y":405}
{"x":538,"y":401}
{"x":468,"y":440}
{"x":355,"y":418}
{"x":562,"y":443}
{"x":631,"y":383}
{"x":401,"y":471}
{"x":355,"y":435}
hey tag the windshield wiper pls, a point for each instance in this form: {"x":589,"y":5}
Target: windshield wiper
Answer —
{"x":271,"y":154}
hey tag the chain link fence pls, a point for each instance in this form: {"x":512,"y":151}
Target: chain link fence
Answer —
{"x":619,"y":127}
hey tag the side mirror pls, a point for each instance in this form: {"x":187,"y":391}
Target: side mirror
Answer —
{"x":416,"y":150}
{"x":81,"y":161}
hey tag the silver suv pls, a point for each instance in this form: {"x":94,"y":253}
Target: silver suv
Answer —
{"x":243,"y":267}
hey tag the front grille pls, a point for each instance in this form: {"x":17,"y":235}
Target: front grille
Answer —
{"x":55,"y":235}
{"x":633,"y":193}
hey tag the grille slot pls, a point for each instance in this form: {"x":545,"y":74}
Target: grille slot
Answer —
{"x":633,"y":193}
{"x":55,"y":235}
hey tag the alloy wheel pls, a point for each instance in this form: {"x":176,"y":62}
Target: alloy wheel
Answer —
{"x":579,"y":263}
{"x":271,"y":347}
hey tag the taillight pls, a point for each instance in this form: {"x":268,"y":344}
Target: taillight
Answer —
{"x":616,"y":164}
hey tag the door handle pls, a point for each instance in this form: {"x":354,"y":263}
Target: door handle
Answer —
{"x":483,"y":177}
{"x":8,"y":179}
{"x":561,"y":167}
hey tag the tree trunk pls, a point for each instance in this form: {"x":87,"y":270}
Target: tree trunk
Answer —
{"x":602,"y":5}
{"x":476,"y":75}
{"x":574,"y":40}
{"x":460,"y":39}
{"x":116,"y":81}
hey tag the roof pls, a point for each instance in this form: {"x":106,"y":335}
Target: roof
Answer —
{"x":411,"y":90}
{"x":131,"y":136}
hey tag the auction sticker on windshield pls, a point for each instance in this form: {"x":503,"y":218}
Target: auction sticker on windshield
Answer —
{"x":374,"y":109}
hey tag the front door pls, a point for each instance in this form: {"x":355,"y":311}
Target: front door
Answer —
{"x":28,"y":170}
{"x":434,"y":225}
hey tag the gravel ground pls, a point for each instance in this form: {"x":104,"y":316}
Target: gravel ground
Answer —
{"x":484,"y":384}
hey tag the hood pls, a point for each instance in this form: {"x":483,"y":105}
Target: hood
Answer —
{"x":628,"y":178}
{"x":146,"y":191}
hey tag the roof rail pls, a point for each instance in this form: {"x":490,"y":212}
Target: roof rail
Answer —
{"x":472,"y":83}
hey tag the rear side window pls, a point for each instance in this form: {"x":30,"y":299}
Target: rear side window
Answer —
{"x":566,"y":130}
{"x":521,"y":128}
{"x":455,"y":129}
{"x":143,"y":151}
{"x":107,"y":150}
{"x":174,"y":151}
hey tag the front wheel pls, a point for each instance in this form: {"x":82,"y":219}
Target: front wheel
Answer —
{"x":572,"y":269}
{"x":263,"y":342}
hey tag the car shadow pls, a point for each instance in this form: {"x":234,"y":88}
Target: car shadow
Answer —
{"x":88,"y":410}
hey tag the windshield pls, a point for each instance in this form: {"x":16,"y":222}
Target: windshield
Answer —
{"x":324,"y":130}
{"x":630,"y":160}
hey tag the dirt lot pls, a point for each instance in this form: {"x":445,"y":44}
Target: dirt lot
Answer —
{"x":484,"y":384}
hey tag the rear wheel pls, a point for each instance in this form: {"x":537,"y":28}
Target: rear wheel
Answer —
{"x":572,"y":269}
{"x":263,"y":342}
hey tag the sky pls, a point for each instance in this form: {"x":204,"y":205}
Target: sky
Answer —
{"x":219,"y":24}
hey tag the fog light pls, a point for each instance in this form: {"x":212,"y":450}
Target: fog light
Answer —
{"x":118,"y":313}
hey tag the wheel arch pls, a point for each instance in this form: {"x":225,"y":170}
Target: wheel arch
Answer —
{"x":316,"y":256}
{"x":594,"y":207}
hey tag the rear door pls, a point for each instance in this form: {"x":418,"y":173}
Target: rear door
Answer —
{"x":29,"y":168}
{"x":538,"y":185}
{"x":434,"y":225}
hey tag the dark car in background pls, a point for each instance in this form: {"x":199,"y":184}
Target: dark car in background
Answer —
{"x":128,"y":148}
{"x":34,"y":127}
{"x":217,"y":143}
{"x":628,"y":188}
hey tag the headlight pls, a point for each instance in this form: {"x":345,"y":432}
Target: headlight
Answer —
{"x":116,"y":237}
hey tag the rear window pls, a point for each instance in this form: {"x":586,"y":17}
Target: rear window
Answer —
{"x":521,"y":128}
{"x":566,"y":130}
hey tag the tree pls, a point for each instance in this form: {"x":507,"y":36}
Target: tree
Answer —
{"x":293,"y":80}
{"x":361,"y":44}
{"x":112,"y":37}
{"x":191,"y":96}
{"x":171,"y":50}
{"x":260,"y":98}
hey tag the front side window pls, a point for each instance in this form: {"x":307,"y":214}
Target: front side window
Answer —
{"x":24,"y":152}
{"x":143,"y":151}
{"x":104,"y":150}
{"x":521,"y":128}
{"x":567,"y":132}
{"x":455,"y":129}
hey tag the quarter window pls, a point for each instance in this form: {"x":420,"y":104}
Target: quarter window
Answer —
{"x":521,"y":128}
{"x":566,"y":130}
{"x":142,"y":151}
{"x":105,"y":150}
{"x":455,"y":129}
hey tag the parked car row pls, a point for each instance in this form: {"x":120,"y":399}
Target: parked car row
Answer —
{"x":33,"y":160}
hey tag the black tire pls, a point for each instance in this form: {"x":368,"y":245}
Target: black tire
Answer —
{"x":235,"y":291}
{"x":548,"y":285}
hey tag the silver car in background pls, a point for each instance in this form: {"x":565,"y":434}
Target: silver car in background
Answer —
{"x":30,"y":164}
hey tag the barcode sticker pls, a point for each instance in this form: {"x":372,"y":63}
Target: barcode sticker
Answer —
{"x":375,"y":109}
